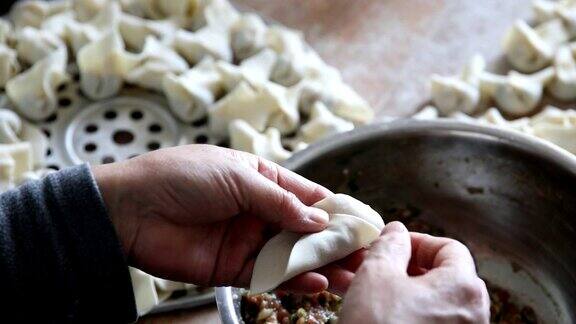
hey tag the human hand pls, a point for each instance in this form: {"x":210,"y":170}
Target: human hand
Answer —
{"x":416,"y":278}
{"x":200,"y":214}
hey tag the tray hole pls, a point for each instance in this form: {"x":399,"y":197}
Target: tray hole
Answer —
{"x":64,"y":102}
{"x":53,"y":167}
{"x":62,"y":87}
{"x":91,"y":128}
{"x":107,"y":159}
{"x":200,"y":122}
{"x":52,"y":118}
{"x":153,"y":146}
{"x":155,"y":128}
{"x":136,"y":115}
{"x":110,"y":114}
{"x":123,"y":137}
{"x":46,"y":132}
{"x":90,"y":147}
{"x":201,"y":139}
{"x":48,"y":152}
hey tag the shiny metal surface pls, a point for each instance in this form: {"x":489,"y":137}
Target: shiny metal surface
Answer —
{"x":510,"y":198}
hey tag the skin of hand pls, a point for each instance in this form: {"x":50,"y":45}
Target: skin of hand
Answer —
{"x":416,"y":278}
{"x":200,"y":214}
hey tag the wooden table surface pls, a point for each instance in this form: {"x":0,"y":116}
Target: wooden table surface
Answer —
{"x":386,"y":49}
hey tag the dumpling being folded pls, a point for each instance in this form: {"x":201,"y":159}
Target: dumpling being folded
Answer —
{"x":34,"y":44}
{"x":245,"y":138}
{"x":34,"y":91}
{"x":155,"y":62}
{"x":261,"y":105}
{"x":9,"y":65}
{"x":103,"y":65}
{"x":353,"y":225}
{"x":190,"y":94}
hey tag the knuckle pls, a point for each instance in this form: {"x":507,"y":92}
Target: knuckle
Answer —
{"x":473,"y":292}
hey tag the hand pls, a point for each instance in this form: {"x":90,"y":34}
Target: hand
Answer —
{"x":200,"y":214}
{"x":416,"y":278}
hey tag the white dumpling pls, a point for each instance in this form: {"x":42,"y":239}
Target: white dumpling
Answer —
{"x":516,"y":94}
{"x":544,"y":10}
{"x":17,"y":160}
{"x":262,"y":105}
{"x":353,"y":225}
{"x":426,"y":113}
{"x":528,"y":49}
{"x":34,"y":44}
{"x":257,"y":68}
{"x":207,"y":41}
{"x":9,"y":65}
{"x":38,"y":143}
{"x":10,"y":126}
{"x":103,"y":65}
{"x":145,"y":293}
{"x":458,"y":93}
{"x":57,"y":24}
{"x":6,"y":31}
{"x":33,"y":13}
{"x":85,"y":10}
{"x":247,"y":36}
{"x":245,"y":138}
{"x":340,"y":98}
{"x":136,"y":30}
{"x":190,"y":94}
{"x":556,"y":126}
{"x":34,"y":91}
{"x":80,"y":34}
{"x":161,"y":9}
{"x":322,"y":124}
{"x":563,"y":85}
{"x":155,"y":62}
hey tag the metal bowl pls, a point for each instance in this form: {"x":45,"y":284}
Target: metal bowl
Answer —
{"x":509,"y":197}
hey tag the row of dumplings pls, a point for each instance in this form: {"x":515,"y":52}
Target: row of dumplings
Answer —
{"x":543,"y":57}
{"x":204,"y":56}
{"x":552,"y":124}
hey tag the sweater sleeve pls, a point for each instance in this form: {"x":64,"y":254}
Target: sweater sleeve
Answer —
{"x":60,"y":259}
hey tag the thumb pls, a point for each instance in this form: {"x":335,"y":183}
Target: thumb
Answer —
{"x":267,"y":200}
{"x":392,"y":250}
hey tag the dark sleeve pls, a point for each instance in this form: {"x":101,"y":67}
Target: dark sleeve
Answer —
{"x":60,"y":259}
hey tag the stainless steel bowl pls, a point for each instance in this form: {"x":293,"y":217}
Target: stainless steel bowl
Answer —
{"x":509,"y":197}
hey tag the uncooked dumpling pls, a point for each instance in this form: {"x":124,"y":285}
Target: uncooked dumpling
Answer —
{"x":563,"y":85}
{"x":161,"y":9}
{"x":427,"y":113}
{"x":34,"y":44}
{"x":145,"y":294}
{"x":208,"y":41}
{"x":516,"y":94}
{"x":322,"y":124}
{"x":155,"y":62}
{"x":87,"y":9}
{"x":190,"y":94}
{"x":262,"y":105}
{"x":9,"y":65}
{"x":16,"y":160}
{"x":38,"y":143}
{"x":10,"y":126}
{"x":103,"y":65}
{"x":33,"y":13}
{"x":248,"y":36}
{"x":556,"y":126}
{"x":528,"y":49}
{"x":6,"y":31}
{"x":458,"y":93}
{"x":353,"y":225}
{"x":136,"y":30}
{"x":34,"y":91}
{"x":257,"y":68}
{"x":245,"y":138}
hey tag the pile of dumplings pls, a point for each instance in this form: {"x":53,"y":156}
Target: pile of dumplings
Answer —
{"x":542,"y":57}
{"x":261,"y":88}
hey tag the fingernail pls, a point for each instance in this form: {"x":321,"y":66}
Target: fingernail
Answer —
{"x":394,"y":227}
{"x":318,"y":216}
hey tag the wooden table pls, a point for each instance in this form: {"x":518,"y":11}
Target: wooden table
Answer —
{"x":387,"y":49}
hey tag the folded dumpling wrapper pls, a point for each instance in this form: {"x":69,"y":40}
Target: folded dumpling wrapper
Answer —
{"x":353,"y":225}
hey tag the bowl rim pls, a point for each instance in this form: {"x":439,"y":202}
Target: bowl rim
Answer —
{"x":225,"y":299}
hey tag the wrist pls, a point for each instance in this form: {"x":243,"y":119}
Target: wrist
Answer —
{"x":112,"y":183}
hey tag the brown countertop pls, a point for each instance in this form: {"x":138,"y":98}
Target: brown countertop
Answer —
{"x":386,"y":49}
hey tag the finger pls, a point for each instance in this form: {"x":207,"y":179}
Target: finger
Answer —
{"x":431,"y":252}
{"x":392,"y":250}
{"x":339,"y":279}
{"x":307,"y":191}
{"x":267,"y":200}
{"x":305,"y":283}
